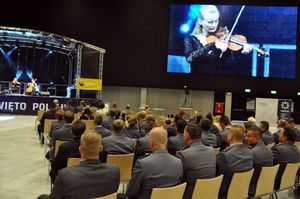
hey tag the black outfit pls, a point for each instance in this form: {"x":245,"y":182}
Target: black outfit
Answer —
{"x":206,"y":59}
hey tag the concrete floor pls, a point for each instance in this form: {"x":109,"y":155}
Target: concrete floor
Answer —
{"x":23,"y":174}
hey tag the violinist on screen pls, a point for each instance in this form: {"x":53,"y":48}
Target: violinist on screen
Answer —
{"x":206,"y":48}
{"x":31,"y":87}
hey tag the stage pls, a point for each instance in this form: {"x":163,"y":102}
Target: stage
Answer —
{"x":29,"y":105}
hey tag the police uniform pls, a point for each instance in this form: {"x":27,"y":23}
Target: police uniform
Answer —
{"x":199,"y":162}
{"x":159,"y":169}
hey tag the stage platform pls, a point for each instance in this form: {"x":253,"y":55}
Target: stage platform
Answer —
{"x":29,"y":105}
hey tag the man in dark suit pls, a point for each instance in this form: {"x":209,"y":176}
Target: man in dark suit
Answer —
{"x":177,"y":143}
{"x":225,"y":125}
{"x":160,"y":169}
{"x":64,"y":133}
{"x":267,"y":136}
{"x":50,"y":114}
{"x":198,"y":160}
{"x":59,"y":114}
{"x":68,"y":149}
{"x":262,"y":155}
{"x":98,"y":120}
{"x":108,"y":122}
{"x":236,"y":158}
{"x":291,"y":125}
{"x":117,"y":143}
{"x":91,"y":178}
{"x":208,"y":138}
{"x":132,"y":130}
{"x":285,"y":152}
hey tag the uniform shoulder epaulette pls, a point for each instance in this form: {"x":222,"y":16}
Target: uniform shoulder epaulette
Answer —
{"x":146,"y":155}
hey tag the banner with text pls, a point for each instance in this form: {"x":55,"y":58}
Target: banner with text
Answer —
{"x":89,"y":84}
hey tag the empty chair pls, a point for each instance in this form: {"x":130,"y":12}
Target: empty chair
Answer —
{"x":175,"y":192}
{"x":110,"y":196}
{"x":207,"y":188}
{"x":288,"y":176}
{"x":57,"y":144}
{"x":38,"y":117}
{"x":73,"y":161}
{"x":239,"y":185}
{"x":265,"y":183}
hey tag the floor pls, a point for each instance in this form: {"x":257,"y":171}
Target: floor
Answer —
{"x":23,"y":174}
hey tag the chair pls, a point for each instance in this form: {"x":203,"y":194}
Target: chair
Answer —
{"x":207,"y":188}
{"x":217,"y":151}
{"x":297,"y":144}
{"x":239,"y":185}
{"x":89,"y":124}
{"x":57,"y":144}
{"x":125,"y":163}
{"x":288,"y":176}
{"x":111,"y":196}
{"x":47,"y":125}
{"x":271,"y":145}
{"x":175,"y":192}
{"x":73,"y":161}
{"x":38,"y":117}
{"x":265,"y":183}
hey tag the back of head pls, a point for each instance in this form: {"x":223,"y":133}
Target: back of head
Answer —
{"x":101,"y":105}
{"x":205,"y":124}
{"x":59,"y":114}
{"x":68,"y":117}
{"x":282,"y":123}
{"x":90,"y":143}
{"x":141,"y":115}
{"x":52,"y":106}
{"x":98,"y":120}
{"x":78,"y":128}
{"x":158,"y":137}
{"x":291,"y":123}
{"x":290,"y":134}
{"x":118,"y":125}
{"x":224,"y":120}
{"x":251,"y":120}
{"x":132,"y":122}
{"x":198,"y":118}
{"x":114,"y":105}
{"x":180,"y":125}
{"x":265,"y":125}
{"x":177,"y":117}
{"x":209,"y":116}
{"x":193,"y":130}
{"x":168,"y":122}
{"x":256,"y":130}
{"x":238,"y":133}
{"x":112,"y":113}
{"x":150,"y":118}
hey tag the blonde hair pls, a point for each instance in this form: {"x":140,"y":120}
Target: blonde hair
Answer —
{"x":238,"y":132}
{"x":205,"y":9}
{"x":90,"y":141}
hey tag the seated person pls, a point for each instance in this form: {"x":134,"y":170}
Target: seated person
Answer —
{"x":91,"y":178}
{"x":177,"y":143}
{"x":207,"y":137}
{"x":98,"y":120}
{"x":68,"y":149}
{"x":59,"y":114}
{"x":267,"y":136}
{"x":132,"y":130}
{"x":198,"y":160}
{"x":117,"y":143}
{"x":159,"y":169}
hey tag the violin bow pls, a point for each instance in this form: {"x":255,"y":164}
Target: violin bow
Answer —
{"x":233,"y":27}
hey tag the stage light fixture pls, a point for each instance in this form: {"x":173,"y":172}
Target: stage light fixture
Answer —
{"x":184,"y":28}
{"x":273,"y":92}
{"x":247,"y":90}
{"x":298,"y":93}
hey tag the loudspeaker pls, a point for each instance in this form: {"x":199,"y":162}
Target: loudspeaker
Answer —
{"x":52,"y":91}
{"x":44,"y":93}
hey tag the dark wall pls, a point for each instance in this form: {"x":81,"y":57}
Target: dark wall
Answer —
{"x":135,"y":35}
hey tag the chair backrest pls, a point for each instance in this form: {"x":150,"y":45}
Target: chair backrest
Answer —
{"x":266,"y":180}
{"x":207,"y":188}
{"x":134,"y":140}
{"x":89,"y":124}
{"x":39,"y":115}
{"x":239,"y":185}
{"x":57,"y":144}
{"x":73,"y":161}
{"x":271,"y":145}
{"x":124,"y":162}
{"x":47,"y":125}
{"x":289,"y":175}
{"x":111,"y":196}
{"x":175,"y":192}
{"x":217,"y":151}
{"x":297,"y":144}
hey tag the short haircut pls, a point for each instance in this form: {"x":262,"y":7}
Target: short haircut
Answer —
{"x":193,"y":130}
{"x":149,"y":125}
{"x":265,"y":124}
{"x":118,"y":125}
{"x":282,"y":123}
{"x":150,"y":117}
{"x":256,"y":130}
{"x":177,"y":117}
{"x":225,"y":120}
{"x":68,"y":116}
{"x":290,"y":134}
{"x":78,"y":128}
{"x":205,"y":124}
{"x":90,"y":142}
{"x":247,"y":125}
{"x":209,"y":116}
{"x":180,"y":125}
{"x":98,"y":120}
{"x":291,"y":120}
{"x":237,"y":132}
{"x":198,"y":118}
{"x":132,"y":122}
{"x":59,"y":114}
{"x":102,"y":105}
{"x":251,"y":119}
{"x":52,"y":105}
{"x":112,"y":113}
{"x":168,"y":121}
{"x":159,"y":136}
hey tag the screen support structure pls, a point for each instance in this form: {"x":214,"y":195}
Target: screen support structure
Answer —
{"x":187,"y":98}
{"x":78,"y":68}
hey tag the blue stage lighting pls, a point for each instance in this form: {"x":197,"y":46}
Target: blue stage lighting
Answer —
{"x":184,"y":28}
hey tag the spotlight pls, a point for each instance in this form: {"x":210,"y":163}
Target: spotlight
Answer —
{"x":274,"y":92}
{"x":50,"y":51}
{"x":184,"y":28}
{"x":247,"y":90}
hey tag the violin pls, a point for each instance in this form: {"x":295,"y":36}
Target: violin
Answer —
{"x":235,"y":42}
